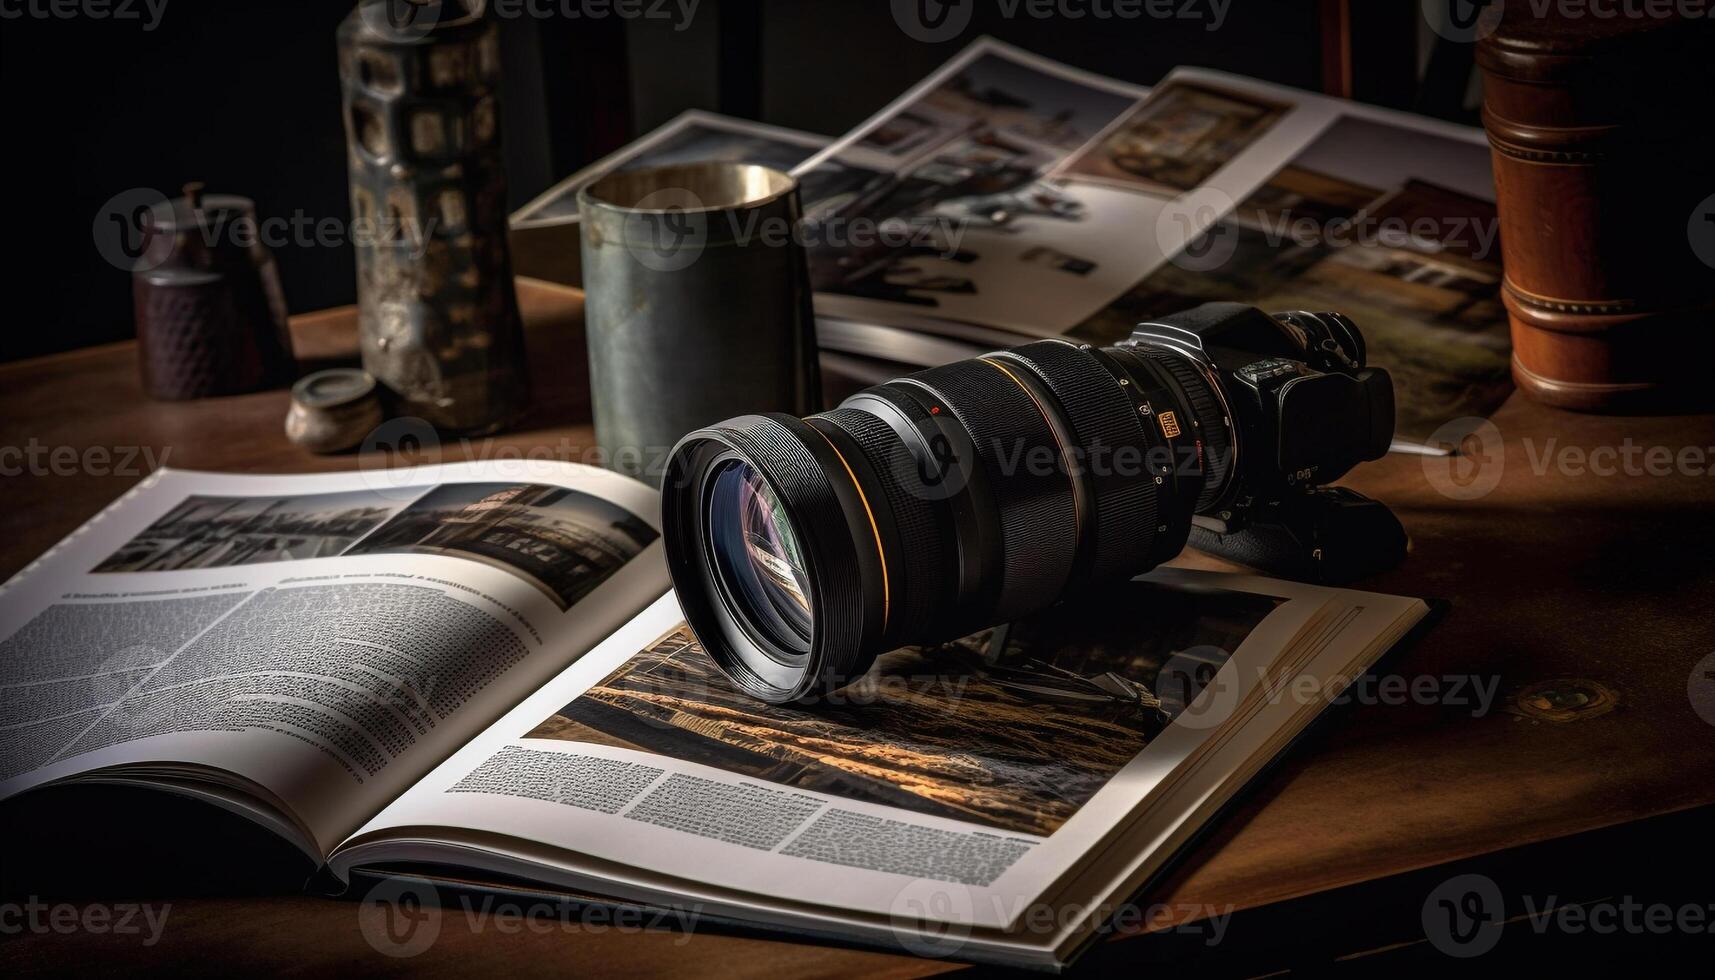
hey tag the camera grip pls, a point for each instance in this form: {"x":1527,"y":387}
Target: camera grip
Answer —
{"x":1331,"y":535}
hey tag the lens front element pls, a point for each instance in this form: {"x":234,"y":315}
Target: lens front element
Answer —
{"x":759,"y":560}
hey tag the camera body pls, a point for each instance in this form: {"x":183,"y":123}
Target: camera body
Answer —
{"x":1305,"y":406}
{"x":1304,"y":410}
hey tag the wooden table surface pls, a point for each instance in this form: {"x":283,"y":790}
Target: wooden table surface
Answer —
{"x":1558,"y":573}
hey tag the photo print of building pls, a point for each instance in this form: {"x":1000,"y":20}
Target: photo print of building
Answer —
{"x":1013,"y":728}
{"x":215,"y":532}
{"x":1177,"y":139}
{"x":1395,"y":227}
{"x":562,"y":541}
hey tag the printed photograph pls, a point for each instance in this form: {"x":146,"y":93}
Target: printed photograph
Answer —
{"x":1013,"y":728}
{"x":562,"y":541}
{"x":833,"y":186}
{"x":969,"y":153}
{"x":1176,"y":139}
{"x":214,"y":532}
{"x":1394,"y":227}
{"x":1004,"y":95}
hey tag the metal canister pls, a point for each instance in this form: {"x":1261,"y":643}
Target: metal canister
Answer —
{"x":211,"y":316}
{"x":438,"y":314}
{"x":697,"y":304}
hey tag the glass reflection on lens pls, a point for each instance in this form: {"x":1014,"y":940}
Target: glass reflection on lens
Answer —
{"x":760,"y":562}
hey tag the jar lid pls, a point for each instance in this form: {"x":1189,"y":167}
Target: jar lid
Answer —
{"x":333,"y":388}
{"x":411,"y":21}
{"x":1560,"y":47}
{"x":196,"y":210}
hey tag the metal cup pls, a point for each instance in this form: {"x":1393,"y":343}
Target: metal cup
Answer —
{"x":697,"y":305}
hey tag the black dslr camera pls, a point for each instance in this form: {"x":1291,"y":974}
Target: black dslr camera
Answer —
{"x":1306,"y":410}
{"x":980,"y":491}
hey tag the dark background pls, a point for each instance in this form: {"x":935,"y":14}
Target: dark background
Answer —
{"x":245,"y":96}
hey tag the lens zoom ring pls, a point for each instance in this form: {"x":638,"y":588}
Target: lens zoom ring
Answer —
{"x":1021,"y":459}
{"x":1211,"y":422}
{"x":1114,"y":452}
{"x":924,"y":553}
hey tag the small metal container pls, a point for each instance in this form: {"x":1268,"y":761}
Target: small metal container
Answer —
{"x":697,"y":305}
{"x":333,"y":410}
{"x":211,"y":316}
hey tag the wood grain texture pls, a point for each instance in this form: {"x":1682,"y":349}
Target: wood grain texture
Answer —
{"x":1551,"y":575}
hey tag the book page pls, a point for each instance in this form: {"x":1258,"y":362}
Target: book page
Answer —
{"x":986,"y":770}
{"x":318,"y":642}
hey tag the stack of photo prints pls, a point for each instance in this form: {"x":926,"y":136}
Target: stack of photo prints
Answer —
{"x":1029,"y":199}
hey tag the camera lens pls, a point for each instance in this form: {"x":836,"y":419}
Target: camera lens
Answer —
{"x":961,"y":496}
{"x":928,"y":507}
{"x":778,"y":559}
{"x":758,"y":559}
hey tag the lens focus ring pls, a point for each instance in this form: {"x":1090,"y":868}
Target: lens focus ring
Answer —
{"x":923,"y":552}
{"x":1113,"y":452}
{"x":1022,"y":462}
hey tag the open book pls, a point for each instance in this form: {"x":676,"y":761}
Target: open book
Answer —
{"x":480,"y":667}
